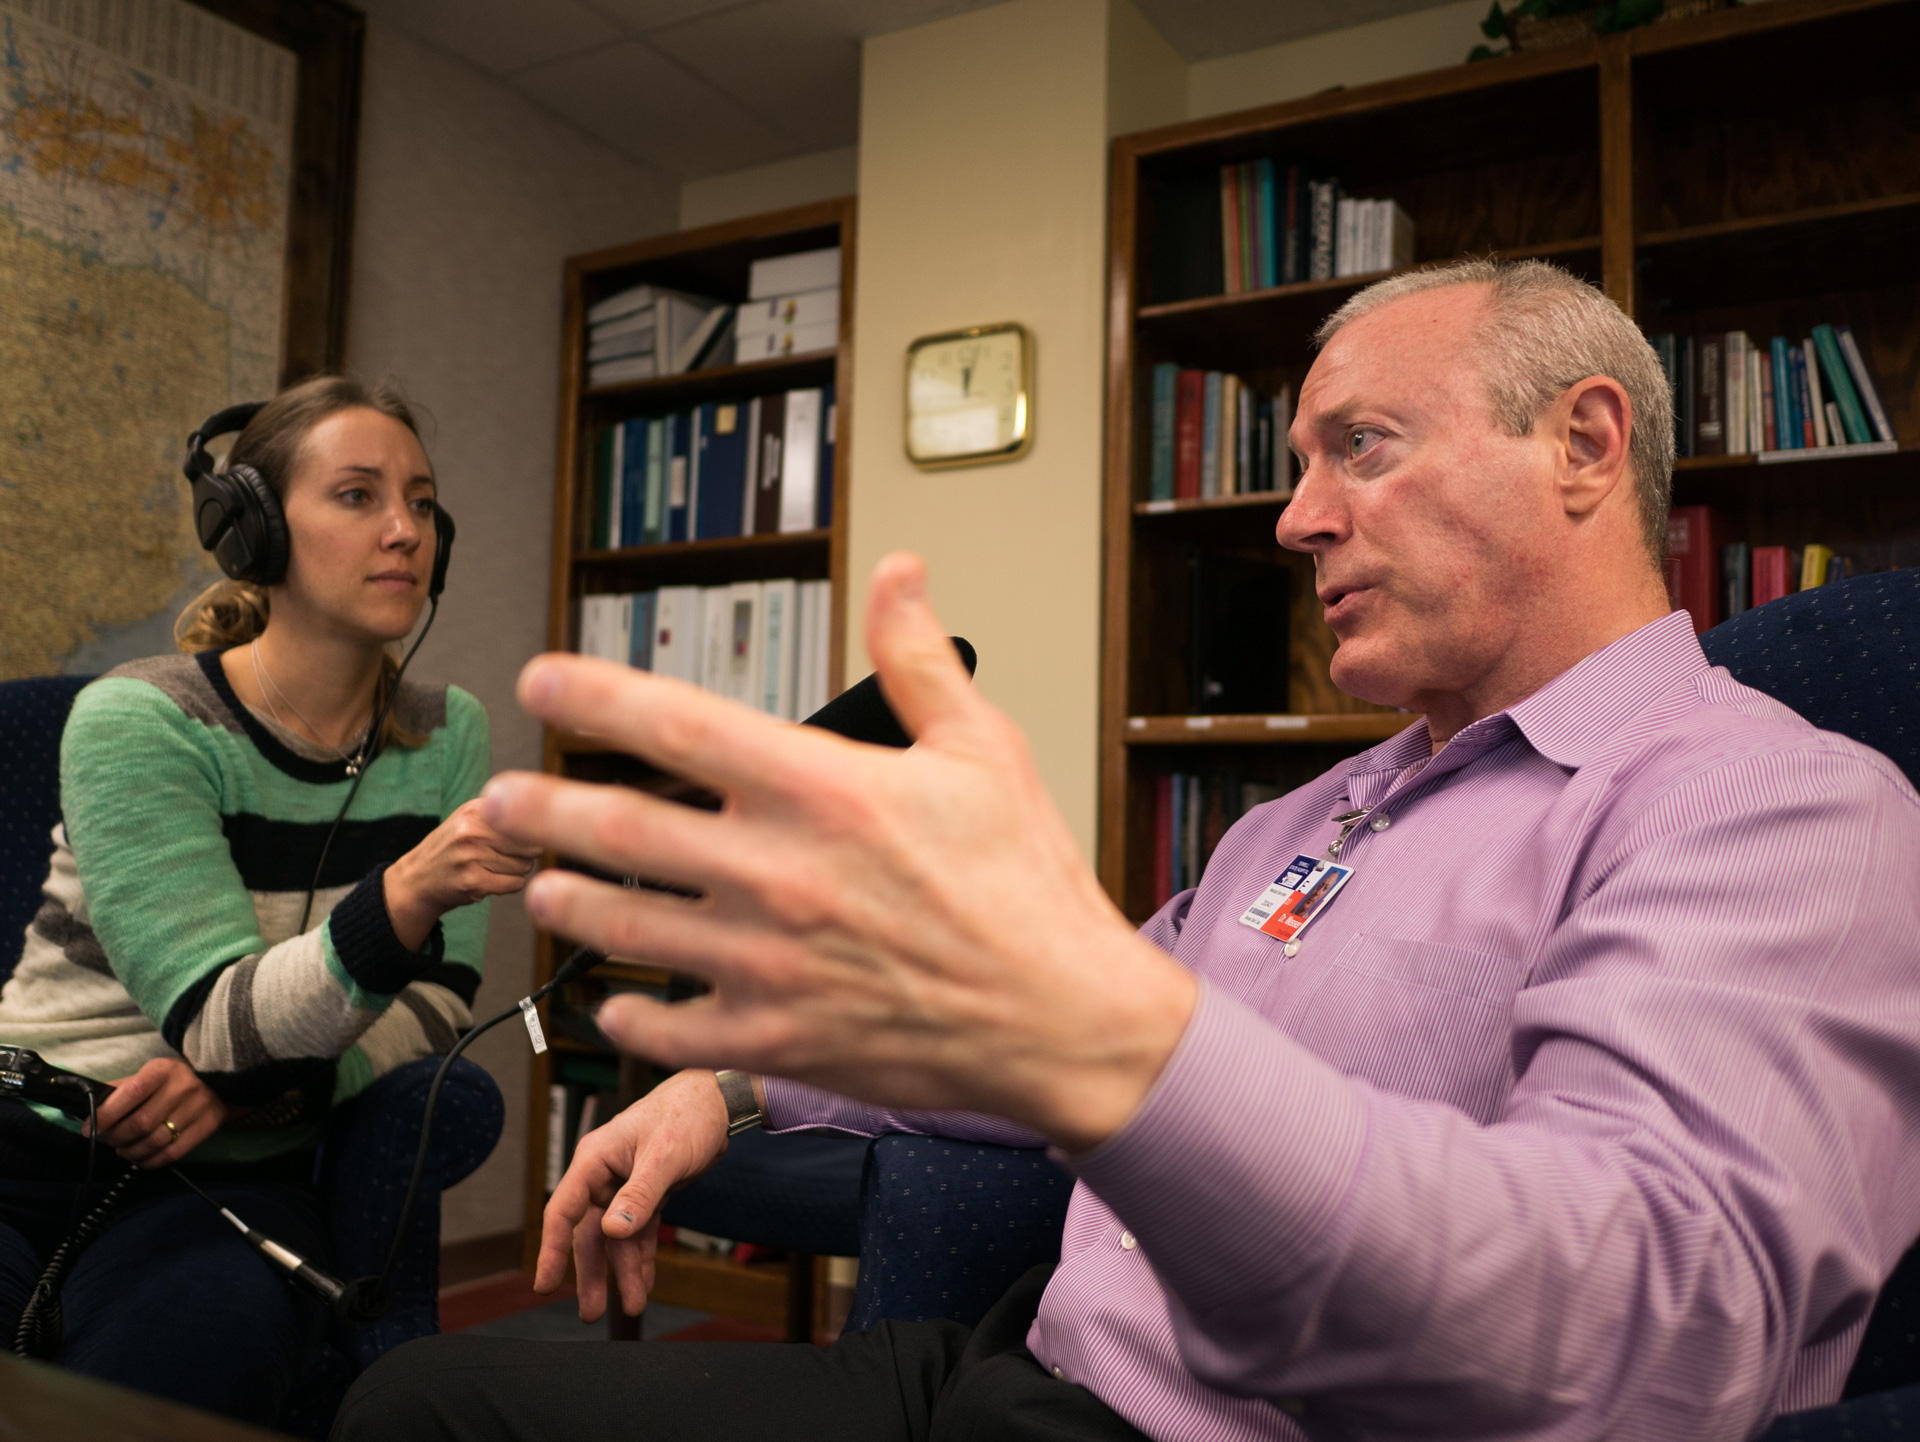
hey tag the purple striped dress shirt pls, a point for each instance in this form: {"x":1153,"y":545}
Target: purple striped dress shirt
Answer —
{"x":1587,"y":1109}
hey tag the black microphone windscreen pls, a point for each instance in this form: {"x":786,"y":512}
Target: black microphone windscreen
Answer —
{"x":861,"y":712}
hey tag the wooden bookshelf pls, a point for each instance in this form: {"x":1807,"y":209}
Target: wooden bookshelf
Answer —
{"x":712,"y":261}
{"x":1755,"y":169}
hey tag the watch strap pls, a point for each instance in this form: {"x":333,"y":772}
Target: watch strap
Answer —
{"x":743,"y":1109}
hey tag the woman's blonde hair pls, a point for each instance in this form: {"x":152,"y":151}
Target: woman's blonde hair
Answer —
{"x":231,"y":613}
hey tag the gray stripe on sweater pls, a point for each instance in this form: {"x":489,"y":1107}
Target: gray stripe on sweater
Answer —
{"x":181,"y":680}
{"x":54,"y":923}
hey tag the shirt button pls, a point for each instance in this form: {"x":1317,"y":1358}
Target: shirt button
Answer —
{"x":1058,"y":1375}
{"x":1128,"y":1241}
{"x":1380,"y":823}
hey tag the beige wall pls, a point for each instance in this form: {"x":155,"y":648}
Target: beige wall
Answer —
{"x":821,"y":176}
{"x":469,"y":199}
{"x":983,"y":198}
{"x":1358,"y":55}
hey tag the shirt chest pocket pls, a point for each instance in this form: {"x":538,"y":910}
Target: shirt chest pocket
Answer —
{"x":1418,"y":1019}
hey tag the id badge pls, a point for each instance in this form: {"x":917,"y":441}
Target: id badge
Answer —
{"x":1298,"y":894}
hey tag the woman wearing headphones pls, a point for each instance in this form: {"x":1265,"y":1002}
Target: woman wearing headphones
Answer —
{"x":194,"y":949}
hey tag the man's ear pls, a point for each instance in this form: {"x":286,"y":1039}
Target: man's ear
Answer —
{"x":1596,"y":422}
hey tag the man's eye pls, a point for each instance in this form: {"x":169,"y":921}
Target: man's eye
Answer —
{"x":1360,"y":440}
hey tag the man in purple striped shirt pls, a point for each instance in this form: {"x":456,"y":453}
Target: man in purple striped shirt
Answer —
{"x":1586,"y":1108}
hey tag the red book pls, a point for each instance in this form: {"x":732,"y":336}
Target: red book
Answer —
{"x":1694,"y":537}
{"x":1772,"y":574}
{"x":1162,"y":841}
{"x":1189,"y":416}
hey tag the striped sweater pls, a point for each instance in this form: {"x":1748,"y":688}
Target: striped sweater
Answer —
{"x":189,"y":837}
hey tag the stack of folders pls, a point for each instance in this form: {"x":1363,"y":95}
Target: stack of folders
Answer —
{"x":1215,"y":435}
{"x":647,"y":331}
{"x":1731,"y":398}
{"x":1278,"y":227}
{"x":1192,"y":811}
{"x":761,"y":643}
{"x":793,"y":306}
{"x":728,"y":468}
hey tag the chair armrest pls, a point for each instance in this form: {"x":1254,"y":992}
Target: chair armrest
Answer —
{"x":789,"y":1190}
{"x":948,"y":1226}
{"x":364,"y":1166}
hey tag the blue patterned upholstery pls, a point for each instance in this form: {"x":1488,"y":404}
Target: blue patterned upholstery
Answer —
{"x":1847,"y":657}
{"x":948,"y":1226}
{"x":795,"y":1191}
{"x":368,"y":1154}
{"x":33,"y":713}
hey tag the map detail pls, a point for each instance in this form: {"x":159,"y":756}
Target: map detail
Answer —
{"x":144,"y":164}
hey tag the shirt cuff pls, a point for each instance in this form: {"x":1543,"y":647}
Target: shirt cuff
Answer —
{"x":364,"y":940}
{"x":1241,"y":1124}
{"x":792,"y":1105}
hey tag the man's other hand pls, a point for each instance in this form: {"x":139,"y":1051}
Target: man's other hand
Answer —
{"x":608,"y":1204}
{"x":911,"y":928}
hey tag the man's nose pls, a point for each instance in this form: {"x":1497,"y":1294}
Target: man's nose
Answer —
{"x":1312,"y":520}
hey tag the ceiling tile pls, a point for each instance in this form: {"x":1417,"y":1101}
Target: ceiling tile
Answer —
{"x":497,"y":35}
{"x":640,"y":16}
{"x":651,"y":109}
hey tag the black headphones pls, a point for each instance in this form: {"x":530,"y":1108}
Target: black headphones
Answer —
{"x":240,"y":519}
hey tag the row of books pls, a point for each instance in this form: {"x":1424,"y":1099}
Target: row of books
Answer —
{"x":1278,"y":227}
{"x":1714,"y":577}
{"x":761,"y":643}
{"x":1733,"y":398}
{"x":1192,"y":811}
{"x":647,"y":331}
{"x":1216,"y":435}
{"x":730,"y":468}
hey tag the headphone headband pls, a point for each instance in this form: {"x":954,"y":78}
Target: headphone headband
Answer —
{"x":233,"y":418}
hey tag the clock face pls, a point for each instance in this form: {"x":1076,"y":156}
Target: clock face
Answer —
{"x":968,"y":396}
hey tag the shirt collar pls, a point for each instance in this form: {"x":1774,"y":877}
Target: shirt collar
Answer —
{"x":1568,"y":719}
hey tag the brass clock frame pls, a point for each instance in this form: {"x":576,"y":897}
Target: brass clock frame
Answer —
{"x":1022,"y":441}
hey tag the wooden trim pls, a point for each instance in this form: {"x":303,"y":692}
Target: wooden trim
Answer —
{"x":1265,"y":730}
{"x":328,"y":38}
{"x":1781,"y":220}
{"x":1382,"y":95}
{"x":1212,"y":503}
{"x":841,"y":529}
{"x":1116,"y":564}
{"x":753,"y":375}
{"x":1616,"y":176}
{"x":711,"y":546}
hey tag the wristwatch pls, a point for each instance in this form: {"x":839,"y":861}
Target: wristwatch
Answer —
{"x":743,"y":1109}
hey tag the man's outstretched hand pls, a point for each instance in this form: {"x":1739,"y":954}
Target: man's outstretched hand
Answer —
{"x":911,"y":928}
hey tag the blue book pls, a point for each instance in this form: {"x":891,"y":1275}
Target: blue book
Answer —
{"x":1269,"y":269}
{"x":1802,"y":402}
{"x":1210,"y":435}
{"x":1179,"y":833}
{"x":1786,"y":426}
{"x":723,"y":470}
{"x":1160,"y":456}
{"x":641,"y":654}
{"x":829,"y":427}
{"x":633,"y":484}
{"x":679,"y":466}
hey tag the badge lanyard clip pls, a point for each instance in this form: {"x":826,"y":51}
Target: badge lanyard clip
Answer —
{"x":1347,"y":822}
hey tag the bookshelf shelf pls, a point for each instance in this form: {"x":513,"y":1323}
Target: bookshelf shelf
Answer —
{"x":1756,"y":169}
{"x":676,"y":392}
{"x":714,"y":261}
{"x":1266,"y":730}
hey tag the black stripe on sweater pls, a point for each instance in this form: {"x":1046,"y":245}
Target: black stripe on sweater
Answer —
{"x":280,"y":855}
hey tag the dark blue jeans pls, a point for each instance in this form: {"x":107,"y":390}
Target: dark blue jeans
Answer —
{"x":169,"y":1299}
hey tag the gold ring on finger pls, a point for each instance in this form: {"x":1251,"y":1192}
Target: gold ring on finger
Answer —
{"x":167,"y":1122}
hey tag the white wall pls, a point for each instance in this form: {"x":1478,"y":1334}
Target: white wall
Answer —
{"x":824,"y":175}
{"x":469,"y":200}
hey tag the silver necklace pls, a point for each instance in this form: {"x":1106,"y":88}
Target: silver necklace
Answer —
{"x":353,"y":761}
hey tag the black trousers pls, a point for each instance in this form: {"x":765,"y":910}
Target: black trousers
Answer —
{"x":900,"y":1382}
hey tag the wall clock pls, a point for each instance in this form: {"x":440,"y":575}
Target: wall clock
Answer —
{"x":970,"y":396}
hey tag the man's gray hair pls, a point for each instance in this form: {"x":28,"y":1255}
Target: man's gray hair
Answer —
{"x":1546,"y":330}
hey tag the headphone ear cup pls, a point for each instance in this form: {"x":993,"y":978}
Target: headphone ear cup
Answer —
{"x":256,"y":546}
{"x":442,"y":549}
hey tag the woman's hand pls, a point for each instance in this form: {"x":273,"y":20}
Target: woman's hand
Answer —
{"x":462,"y":860}
{"x":133,"y":1121}
{"x":608,"y":1204}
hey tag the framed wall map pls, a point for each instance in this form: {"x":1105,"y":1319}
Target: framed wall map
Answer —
{"x":175,"y":211}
